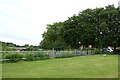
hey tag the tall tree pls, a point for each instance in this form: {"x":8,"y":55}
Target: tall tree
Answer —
{"x":99,"y":27}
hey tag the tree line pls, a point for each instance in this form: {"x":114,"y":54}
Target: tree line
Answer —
{"x":99,"y":27}
{"x":9,"y":46}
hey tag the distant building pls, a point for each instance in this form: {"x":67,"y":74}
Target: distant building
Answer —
{"x":18,"y":48}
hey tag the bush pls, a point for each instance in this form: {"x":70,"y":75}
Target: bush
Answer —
{"x":36,"y":56}
{"x":117,"y":51}
{"x":13,"y":57}
{"x":107,"y":53}
{"x":43,"y":55}
{"x":29,"y":56}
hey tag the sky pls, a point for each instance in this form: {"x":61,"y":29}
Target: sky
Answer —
{"x":24,"y":21}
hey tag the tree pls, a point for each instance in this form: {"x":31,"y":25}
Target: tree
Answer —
{"x":99,"y":27}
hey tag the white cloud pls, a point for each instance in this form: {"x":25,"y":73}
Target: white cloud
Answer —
{"x":23,"y":21}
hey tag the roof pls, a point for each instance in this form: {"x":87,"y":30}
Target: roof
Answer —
{"x":18,"y":47}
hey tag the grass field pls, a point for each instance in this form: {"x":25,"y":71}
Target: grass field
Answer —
{"x":92,"y":66}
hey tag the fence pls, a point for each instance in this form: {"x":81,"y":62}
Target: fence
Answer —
{"x":38,"y":55}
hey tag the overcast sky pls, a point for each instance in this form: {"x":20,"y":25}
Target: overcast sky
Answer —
{"x":24,"y":21}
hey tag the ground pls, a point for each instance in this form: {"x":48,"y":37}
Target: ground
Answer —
{"x":91,"y":66}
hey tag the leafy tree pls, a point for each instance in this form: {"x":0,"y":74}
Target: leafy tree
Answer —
{"x":99,"y":27}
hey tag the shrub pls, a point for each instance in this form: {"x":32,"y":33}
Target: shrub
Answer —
{"x":29,"y":56}
{"x":13,"y":57}
{"x":43,"y":55}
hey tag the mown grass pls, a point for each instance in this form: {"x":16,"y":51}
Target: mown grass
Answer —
{"x":92,"y":66}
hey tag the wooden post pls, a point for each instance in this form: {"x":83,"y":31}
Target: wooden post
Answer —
{"x":1,"y":60}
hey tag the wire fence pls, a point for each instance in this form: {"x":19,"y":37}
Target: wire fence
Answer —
{"x":13,"y":56}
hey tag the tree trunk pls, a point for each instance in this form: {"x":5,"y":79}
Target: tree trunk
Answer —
{"x":114,"y":48}
{"x":114,"y":51}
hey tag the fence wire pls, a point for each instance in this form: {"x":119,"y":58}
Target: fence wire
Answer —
{"x":39,"y":55}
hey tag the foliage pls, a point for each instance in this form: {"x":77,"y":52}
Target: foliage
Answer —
{"x":31,"y":55}
{"x":99,"y":27}
{"x":27,"y":56}
{"x":7,"y":46}
{"x":12,"y":57}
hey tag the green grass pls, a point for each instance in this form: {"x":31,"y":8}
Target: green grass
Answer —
{"x":93,"y":66}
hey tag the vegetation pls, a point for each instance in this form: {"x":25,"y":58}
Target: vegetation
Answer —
{"x":94,"y":66}
{"x":14,"y":56}
{"x":7,"y":46}
{"x":98,"y":27}
{"x":26,"y":56}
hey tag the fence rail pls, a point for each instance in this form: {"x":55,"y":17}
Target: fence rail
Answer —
{"x":37,"y":55}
